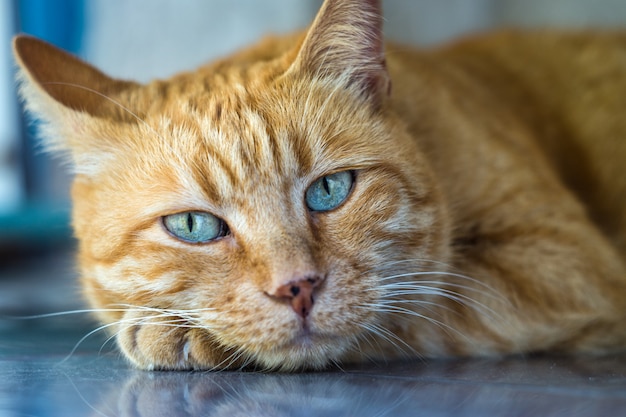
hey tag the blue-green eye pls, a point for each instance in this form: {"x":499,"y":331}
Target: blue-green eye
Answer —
{"x":329,"y":192}
{"x":195,"y":226}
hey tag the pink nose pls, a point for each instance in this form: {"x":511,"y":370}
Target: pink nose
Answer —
{"x":299,"y":293}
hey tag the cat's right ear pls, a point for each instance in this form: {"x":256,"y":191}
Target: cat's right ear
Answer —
{"x":62,"y":77}
{"x":69,"y":97}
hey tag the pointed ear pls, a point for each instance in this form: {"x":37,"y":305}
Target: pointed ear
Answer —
{"x":345,"y":42}
{"x":63,"y":77}
{"x":70,"y":97}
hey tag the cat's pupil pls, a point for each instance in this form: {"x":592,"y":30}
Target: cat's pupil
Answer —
{"x":325,"y":184}
{"x":190,"y":222}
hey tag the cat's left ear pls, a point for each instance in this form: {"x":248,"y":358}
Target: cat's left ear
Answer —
{"x":345,"y":42}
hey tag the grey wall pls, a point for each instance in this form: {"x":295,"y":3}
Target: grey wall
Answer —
{"x":143,"y":39}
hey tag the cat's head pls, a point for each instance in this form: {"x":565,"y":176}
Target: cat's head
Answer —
{"x":261,"y":203}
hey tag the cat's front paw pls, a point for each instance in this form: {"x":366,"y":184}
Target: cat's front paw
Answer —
{"x":169,"y":343}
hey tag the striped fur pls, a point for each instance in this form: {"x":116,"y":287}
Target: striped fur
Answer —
{"x":469,"y":229}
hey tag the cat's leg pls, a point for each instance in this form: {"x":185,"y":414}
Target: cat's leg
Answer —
{"x":170,"y":343}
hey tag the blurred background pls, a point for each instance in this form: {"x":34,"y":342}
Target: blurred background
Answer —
{"x":144,"y":39}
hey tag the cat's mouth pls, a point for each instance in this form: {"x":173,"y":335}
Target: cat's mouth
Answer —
{"x":306,"y":350}
{"x":309,"y":340}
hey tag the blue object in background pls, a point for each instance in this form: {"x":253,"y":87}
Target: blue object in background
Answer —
{"x":44,"y":216}
{"x":60,"y":22}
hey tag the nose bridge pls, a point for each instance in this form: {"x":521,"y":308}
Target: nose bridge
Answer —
{"x":283,"y":243}
{"x":291,"y":272}
{"x":294,"y":275}
{"x":291,"y":255}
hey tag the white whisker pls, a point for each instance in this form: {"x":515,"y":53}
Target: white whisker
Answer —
{"x":390,"y":337}
{"x":231,"y":359}
{"x":110,"y":99}
{"x":442,"y":274}
{"x":67,"y":313}
{"x":392,"y":309}
{"x":162,"y":317}
{"x":85,"y":337}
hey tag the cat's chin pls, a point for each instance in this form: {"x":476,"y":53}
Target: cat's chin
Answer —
{"x":307,"y":350}
{"x":309,"y":341}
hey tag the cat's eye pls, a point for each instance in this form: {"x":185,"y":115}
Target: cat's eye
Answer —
{"x":328,"y":192}
{"x":195,"y":226}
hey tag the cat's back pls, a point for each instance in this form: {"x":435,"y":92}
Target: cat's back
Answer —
{"x":568,"y":89}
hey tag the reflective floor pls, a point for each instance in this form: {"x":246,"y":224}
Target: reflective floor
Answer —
{"x":37,"y":378}
{"x":42,"y":375}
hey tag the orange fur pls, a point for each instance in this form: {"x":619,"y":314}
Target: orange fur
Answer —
{"x":488,"y":214}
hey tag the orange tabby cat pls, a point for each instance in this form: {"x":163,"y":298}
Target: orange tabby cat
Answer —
{"x":314,"y":200}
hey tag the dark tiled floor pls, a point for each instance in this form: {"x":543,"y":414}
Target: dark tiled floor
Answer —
{"x":37,"y":378}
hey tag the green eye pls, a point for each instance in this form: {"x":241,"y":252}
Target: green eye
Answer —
{"x":329,"y":192}
{"x":195,"y":226}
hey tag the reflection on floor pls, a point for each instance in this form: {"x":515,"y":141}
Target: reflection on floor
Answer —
{"x":37,"y":378}
{"x":42,"y":375}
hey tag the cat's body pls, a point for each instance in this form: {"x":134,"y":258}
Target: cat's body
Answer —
{"x":463,"y":201}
